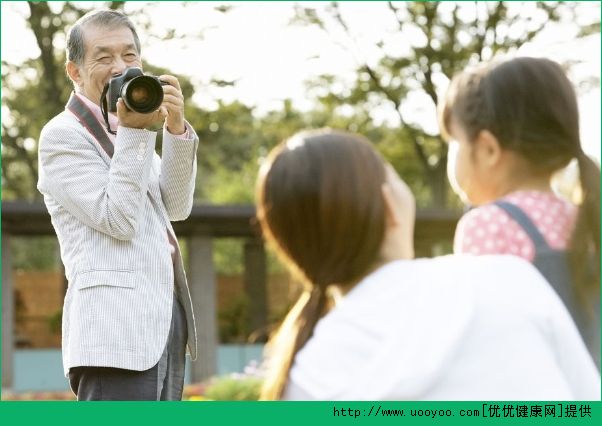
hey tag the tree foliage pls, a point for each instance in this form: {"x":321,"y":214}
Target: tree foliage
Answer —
{"x":33,"y":92}
{"x":235,"y":138}
{"x":445,"y":39}
{"x":36,"y":90}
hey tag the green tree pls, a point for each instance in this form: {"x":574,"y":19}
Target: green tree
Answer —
{"x":34,"y":92}
{"x":447,"y":37}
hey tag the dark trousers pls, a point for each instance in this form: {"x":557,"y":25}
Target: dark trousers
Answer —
{"x":163,"y":382}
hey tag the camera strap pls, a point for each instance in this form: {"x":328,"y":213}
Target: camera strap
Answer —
{"x":89,"y":121}
{"x":104,"y":108}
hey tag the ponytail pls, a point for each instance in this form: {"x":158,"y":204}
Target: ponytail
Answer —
{"x":585,"y":242}
{"x":295,"y":331}
{"x":302,"y":188}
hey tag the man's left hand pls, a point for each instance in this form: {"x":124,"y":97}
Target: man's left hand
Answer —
{"x":173,"y":105}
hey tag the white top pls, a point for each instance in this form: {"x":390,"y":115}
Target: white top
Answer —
{"x":449,"y":328}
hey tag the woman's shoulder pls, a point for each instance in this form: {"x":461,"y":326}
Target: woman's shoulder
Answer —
{"x":462,"y":280}
{"x":384,"y":325}
{"x":432,"y":273}
{"x":407,"y":319}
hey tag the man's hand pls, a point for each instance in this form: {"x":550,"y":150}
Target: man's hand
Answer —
{"x":173,"y":105}
{"x":135,"y":120}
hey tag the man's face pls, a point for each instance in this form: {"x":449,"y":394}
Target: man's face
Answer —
{"x":108,"y":52}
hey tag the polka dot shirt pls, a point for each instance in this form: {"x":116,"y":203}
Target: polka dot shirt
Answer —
{"x":489,"y":230}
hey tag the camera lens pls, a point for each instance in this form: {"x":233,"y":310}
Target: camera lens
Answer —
{"x":142,"y":94}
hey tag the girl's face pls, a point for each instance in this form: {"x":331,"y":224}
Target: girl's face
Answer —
{"x":458,"y":168}
{"x":467,"y":175}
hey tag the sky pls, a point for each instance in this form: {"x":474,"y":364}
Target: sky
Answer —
{"x":255,"y":45}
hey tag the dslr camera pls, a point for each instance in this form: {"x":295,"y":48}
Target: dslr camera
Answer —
{"x":141,"y":93}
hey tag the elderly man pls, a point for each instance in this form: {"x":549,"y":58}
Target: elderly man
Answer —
{"x":127,"y":315}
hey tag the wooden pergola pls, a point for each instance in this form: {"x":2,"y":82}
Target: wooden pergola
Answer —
{"x":205,"y":223}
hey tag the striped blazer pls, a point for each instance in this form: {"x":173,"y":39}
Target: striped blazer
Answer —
{"x":111,"y":217}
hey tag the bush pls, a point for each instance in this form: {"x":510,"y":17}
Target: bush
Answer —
{"x":235,"y":387}
{"x":38,"y":396}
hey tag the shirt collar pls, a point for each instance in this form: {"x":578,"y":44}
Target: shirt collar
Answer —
{"x":113,"y":120}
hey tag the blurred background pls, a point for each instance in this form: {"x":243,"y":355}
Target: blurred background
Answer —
{"x":253,"y":73}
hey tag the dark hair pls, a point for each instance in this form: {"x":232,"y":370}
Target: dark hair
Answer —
{"x":530,"y":106}
{"x":319,"y":202}
{"x":105,"y":18}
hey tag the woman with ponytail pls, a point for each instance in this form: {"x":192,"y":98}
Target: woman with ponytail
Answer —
{"x":451,"y":328}
{"x":511,"y":126}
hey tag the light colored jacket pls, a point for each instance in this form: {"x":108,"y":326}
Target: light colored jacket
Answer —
{"x":111,"y":218}
{"x":470,"y":328}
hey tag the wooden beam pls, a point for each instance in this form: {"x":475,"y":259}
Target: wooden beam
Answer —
{"x":24,"y":218}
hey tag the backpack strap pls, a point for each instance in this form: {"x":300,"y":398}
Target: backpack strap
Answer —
{"x":520,"y":217}
{"x":87,"y":119}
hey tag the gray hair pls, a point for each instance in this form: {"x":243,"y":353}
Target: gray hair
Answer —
{"x":105,"y":18}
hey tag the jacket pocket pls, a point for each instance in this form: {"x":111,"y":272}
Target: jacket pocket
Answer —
{"x":110,"y":278}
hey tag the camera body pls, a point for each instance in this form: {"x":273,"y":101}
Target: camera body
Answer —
{"x":141,"y":93}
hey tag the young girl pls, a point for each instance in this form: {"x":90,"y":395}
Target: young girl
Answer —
{"x":511,"y":126}
{"x":451,"y":328}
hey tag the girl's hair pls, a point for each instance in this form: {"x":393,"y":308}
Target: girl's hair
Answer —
{"x":319,"y":202}
{"x":530,"y":106}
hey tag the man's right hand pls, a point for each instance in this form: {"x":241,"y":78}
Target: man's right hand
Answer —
{"x":136,"y":120}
